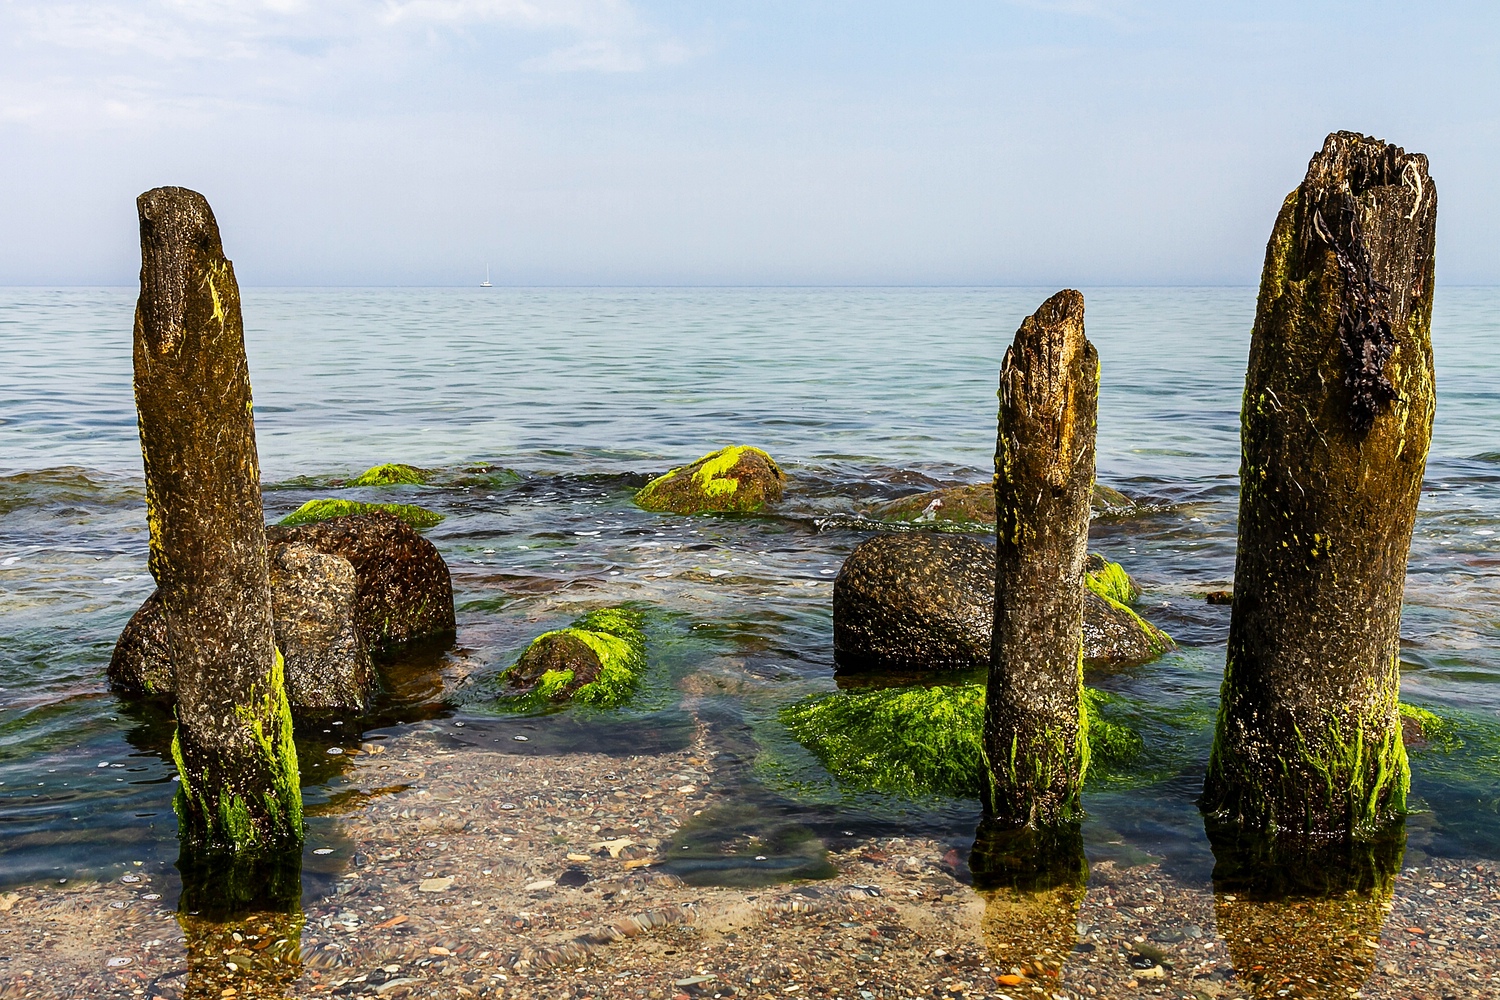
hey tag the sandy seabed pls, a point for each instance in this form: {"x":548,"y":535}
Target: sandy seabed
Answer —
{"x":494,"y":874}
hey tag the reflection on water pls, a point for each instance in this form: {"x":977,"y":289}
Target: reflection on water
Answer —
{"x":241,"y":918}
{"x":1300,"y":919}
{"x":1033,"y":883}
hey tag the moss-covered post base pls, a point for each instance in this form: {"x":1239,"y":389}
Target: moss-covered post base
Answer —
{"x":1033,"y":882}
{"x":233,"y":746}
{"x":1336,"y":422}
{"x":241,"y":915}
{"x":1035,"y":744}
{"x":1308,"y":910}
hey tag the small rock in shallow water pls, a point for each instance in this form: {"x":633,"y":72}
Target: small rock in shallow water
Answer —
{"x":436,"y":884}
{"x":573,"y":878}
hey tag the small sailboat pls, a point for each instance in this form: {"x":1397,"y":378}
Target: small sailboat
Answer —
{"x":486,"y":282}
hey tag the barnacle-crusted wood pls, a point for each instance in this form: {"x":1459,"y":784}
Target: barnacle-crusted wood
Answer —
{"x":1034,"y":741}
{"x":233,"y":745}
{"x":1336,"y":423}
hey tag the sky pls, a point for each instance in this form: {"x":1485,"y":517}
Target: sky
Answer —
{"x":742,"y":142}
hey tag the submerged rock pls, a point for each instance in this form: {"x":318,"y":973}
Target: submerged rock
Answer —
{"x":967,"y":506}
{"x":315,"y":511}
{"x":313,"y":613}
{"x":916,"y":600}
{"x":737,"y":478}
{"x":404,"y":592}
{"x":314,"y":608}
{"x":596,"y":660}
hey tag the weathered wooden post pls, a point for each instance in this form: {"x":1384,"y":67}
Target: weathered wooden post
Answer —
{"x":1335,"y":428}
{"x":1034,"y":740}
{"x":233,"y":745}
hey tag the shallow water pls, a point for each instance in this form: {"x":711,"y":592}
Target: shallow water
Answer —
{"x":862,"y":394}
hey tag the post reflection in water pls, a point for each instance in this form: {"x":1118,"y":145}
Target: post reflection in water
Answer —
{"x":1304,"y":919}
{"x":1033,"y":883}
{"x":242,"y":918}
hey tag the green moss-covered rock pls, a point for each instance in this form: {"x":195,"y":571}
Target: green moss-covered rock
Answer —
{"x":325,"y":510}
{"x":737,"y":478}
{"x":925,"y":740}
{"x":597,"y":661}
{"x":1421,"y":727}
{"x":391,"y":474}
{"x":1113,"y":633}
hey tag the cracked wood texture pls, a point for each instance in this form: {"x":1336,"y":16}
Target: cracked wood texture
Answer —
{"x":1336,"y":422}
{"x":233,"y":745}
{"x":1034,"y":741}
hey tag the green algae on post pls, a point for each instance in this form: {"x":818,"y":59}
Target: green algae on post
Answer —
{"x":233,"y":744}
{"x":1336,"y":424}
{"x":391,"y":474}
{"x":733,"y":479}
{"x":917,"y":741}
{"x":597,"y":660}
{"x":327,"y":509}
{"x":1036,"y":747}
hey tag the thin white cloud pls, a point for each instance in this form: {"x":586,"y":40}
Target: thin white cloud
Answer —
{"x":609,"y":55}
{"x":61,"y":61}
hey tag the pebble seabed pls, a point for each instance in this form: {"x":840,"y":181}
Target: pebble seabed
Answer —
{"x":485,"y":873}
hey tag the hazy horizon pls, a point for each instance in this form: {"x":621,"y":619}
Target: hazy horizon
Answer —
{"x":607,"y":143}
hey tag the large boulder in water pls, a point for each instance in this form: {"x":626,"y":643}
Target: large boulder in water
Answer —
{"x":915,"y":600}
{"x":404,"y":591}
{"x":738,"y":478}
{"x":340,"y":590}
{"x":142,"y":660}
{"x":314,"y":598}
{"x":924,"y":601}
{"x":313,"y":611}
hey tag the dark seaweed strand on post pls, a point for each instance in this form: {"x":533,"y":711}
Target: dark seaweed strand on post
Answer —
{"x":233,"y":745}
{"x":1336,"y":422}
{"x":1034,"y":741}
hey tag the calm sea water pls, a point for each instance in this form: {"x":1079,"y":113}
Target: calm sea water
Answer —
{"x":862,"y":394}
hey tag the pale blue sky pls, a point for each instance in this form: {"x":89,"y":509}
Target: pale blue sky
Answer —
{"x":616,"y":142}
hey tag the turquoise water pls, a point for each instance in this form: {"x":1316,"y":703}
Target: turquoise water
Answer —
{"x":863,"y":394}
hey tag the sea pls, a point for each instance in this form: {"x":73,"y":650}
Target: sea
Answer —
{"x":574,"y":398}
